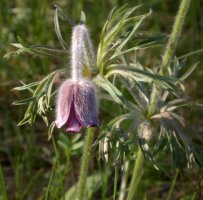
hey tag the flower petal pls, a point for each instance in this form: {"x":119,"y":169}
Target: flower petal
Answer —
{"x":73,"y":125}
{"x":85,"y":104}
{"x":64,"y":102}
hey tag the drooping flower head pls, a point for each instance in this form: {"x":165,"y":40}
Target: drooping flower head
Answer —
{"x":76,"y":101}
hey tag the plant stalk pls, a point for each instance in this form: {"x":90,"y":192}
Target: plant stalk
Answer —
{"x":175,"y":35}
{"x":84,"y":165}
{"x":124,"y":181}
{"x":3,"y":191}
{"x":137,"y":173}
{"x":170,"y":49}
{"x":173,"y":185}
{"x":59,"y":169}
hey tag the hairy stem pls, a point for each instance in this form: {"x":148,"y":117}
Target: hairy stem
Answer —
{"x":84,"y":165}
{"x":170,"y":49}
{"x":136,"y":176}
{"x":77,"y":43}
{"x":175,"y":35}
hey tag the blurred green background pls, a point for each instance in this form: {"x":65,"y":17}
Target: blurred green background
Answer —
{"x":25,"y":154}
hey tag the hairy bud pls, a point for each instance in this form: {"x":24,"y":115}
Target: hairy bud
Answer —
{"x":145,"y":130}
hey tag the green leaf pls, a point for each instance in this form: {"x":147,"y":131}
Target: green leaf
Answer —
{"x":138,"y":92}
{"x":58,"y":31}
{"x":188,"y":72}
{"x":26,"y":86}
{"x":49,"y":90}
{"x":38,"y":103}
{"x":135,"y":48}
{"x":17,"y":45}
{"x":110,"y":88}
{"x":82,"y":17}
{"x":124,"y":42}
{"x":24,"y":101}
{"x":141,"y":75}
{"x":190,"y":54}
{"x":65,"y":16}
{"x":51,"y":129}
{"x":47,"y":48}
{"x":147,"y":153}
{"x":75,"y":138}
{"x":93,"y":183}
{"x":35,"y":51}
{"x":25,"y":120}
{"x":64,"y":139}
{"x":77,"y":145}
{"x":112,"y":39}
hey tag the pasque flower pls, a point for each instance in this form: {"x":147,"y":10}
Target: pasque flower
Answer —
{"x":76,"y":101}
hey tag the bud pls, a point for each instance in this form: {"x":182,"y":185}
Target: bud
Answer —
{"x":145,"y":130}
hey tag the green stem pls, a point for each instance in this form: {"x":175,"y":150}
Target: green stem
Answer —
{"x":84,"y":165}
{"x":115,"y":183}
{"x":170,"y":49}
{"x":173,"y":185}
{"x":59,"y":169}
{"x":124,"y":181}
{"x":176,"y":31}
{"x":3,"y":191}
{"x":50,"y":180}
{"x":137,"y":173}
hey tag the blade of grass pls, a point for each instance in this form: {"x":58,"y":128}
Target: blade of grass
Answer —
{"x":50,"y":180}
{"x":2,"y":186}
{"x":59,"y":169}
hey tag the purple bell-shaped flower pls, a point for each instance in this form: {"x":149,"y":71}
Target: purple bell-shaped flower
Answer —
{"x":76,"y":101}
{"x":76,"y":106}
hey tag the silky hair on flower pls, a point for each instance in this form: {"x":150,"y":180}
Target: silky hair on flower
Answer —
{"x":76,"y":100}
